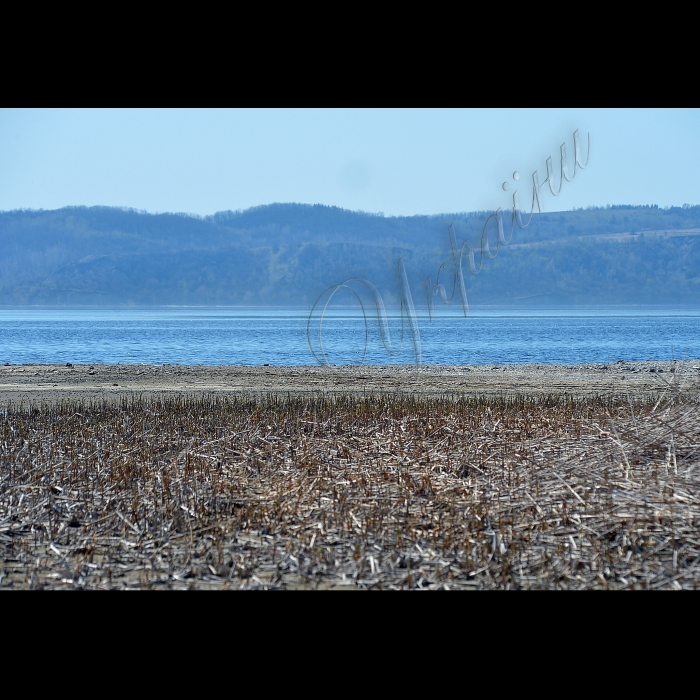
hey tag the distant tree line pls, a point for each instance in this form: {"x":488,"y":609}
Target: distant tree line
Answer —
{"x":289,"y":253}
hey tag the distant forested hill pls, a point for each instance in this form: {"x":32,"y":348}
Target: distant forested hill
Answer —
{"x":289,"y":253}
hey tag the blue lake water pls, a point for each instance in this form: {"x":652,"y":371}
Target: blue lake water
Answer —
{"x":193,"y":336}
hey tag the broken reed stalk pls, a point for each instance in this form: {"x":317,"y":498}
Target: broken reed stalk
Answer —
{"x":390,"y":492}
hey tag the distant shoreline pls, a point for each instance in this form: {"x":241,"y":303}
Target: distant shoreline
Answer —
{"x":450,"y":311}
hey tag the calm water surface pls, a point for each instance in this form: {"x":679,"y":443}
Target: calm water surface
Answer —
{"x":278,"y":336}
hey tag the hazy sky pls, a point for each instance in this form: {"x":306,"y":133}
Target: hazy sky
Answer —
{"x":393,"y":161}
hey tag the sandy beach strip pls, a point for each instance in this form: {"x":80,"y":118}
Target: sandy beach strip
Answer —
{"x":36,"y":383}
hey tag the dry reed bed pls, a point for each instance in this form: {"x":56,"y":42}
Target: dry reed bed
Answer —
{"x":389,"y":492}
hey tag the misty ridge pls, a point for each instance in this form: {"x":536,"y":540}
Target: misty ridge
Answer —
{"x":288,"y":254}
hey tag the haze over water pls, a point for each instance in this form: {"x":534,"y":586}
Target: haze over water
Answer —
{"x":277,"y":336}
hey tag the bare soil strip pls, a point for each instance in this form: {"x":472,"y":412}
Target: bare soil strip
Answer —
{"x":50,"y":383}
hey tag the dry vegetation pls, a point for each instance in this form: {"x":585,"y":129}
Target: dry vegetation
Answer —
{"x":384,"y":492}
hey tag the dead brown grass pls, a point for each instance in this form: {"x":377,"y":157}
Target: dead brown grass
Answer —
{"x":389,"y":492}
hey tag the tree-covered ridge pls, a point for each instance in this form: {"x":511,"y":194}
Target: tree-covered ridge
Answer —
{"x":289,"y":253}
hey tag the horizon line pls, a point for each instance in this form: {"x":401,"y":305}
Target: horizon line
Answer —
{"x":379,"y":214}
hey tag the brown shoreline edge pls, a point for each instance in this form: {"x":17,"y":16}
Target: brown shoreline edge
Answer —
{"x":48,"y":383}
{"x":342,"y":478}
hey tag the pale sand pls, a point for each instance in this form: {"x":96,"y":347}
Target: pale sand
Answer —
{"x":36,"y":383}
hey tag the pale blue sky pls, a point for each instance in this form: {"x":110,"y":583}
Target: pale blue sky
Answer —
{"x":393,"y":161}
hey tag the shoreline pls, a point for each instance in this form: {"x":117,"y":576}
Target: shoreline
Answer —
{"x":37,"y":383}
